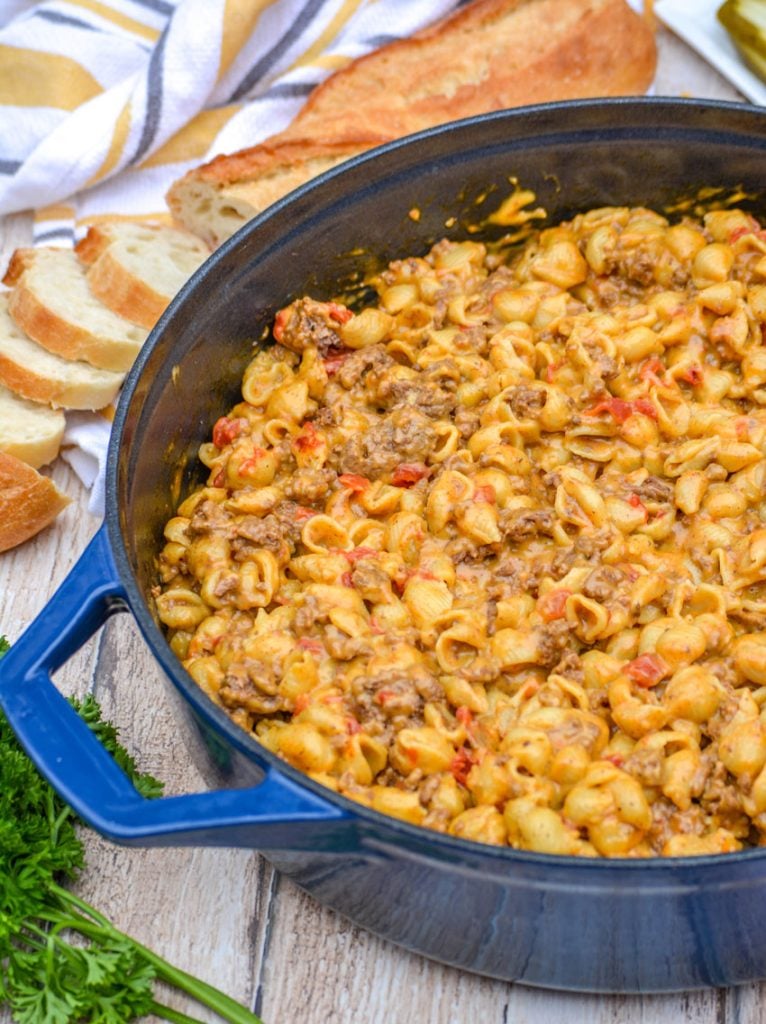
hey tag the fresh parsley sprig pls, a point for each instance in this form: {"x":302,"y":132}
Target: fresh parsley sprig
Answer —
{"x":61,"y":961}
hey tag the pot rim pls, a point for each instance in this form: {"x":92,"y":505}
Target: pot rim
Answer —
{"x":449,"y":846}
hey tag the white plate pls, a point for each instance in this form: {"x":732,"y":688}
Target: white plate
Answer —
{"x":696,"y":23}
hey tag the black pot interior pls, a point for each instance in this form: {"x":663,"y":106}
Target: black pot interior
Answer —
{"x":324,"y":238}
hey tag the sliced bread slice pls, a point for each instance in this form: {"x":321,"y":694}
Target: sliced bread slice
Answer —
{"x":28,"y":430}
{"x":136,"y":269}
{"x":28,"y":501}
{"x":52,"y":303}
{"x":34,"y":373}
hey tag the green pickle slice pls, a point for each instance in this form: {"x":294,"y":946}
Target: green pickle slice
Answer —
{"x":745,"y":21}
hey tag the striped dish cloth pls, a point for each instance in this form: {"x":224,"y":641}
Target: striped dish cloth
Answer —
{"x":104,"y":103}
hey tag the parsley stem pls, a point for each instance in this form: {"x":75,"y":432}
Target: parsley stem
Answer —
{"x":213,"y":998}
{"x":174,"y":1016}
{"x":209,"y":996}
{"x":69,"y":898}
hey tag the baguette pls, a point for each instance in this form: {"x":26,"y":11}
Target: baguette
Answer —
{"x":136,"y":269}
{"x":40,"y":376}
{"x":28,"y":501}
{"x":52,"y":303}
{"x":29,"y":431}
{"x":215,"y":200}
{"x":489,"y":55}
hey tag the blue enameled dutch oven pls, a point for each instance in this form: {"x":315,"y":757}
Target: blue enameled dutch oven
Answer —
{"x":597,"y":925}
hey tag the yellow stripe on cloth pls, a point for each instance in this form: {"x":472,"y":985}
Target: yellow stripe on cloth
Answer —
{"x":331,"y":61}
{"x":121,"y":20}
{"x":119,"y":137}
{"x":347,"y":10}
{"x":29,"y":78}
{"x":239,"y":20}
{"x":193,"y":140}
{"x":58,"y":211}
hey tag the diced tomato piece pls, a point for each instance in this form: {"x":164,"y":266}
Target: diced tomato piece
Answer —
{"x":334,"y":359}
{"x":220,"y":478}
{"x":357,"y":553}
{"x":354,"y":483}
{"x":310,"y":643}
{"x":408,"y":473}
{"x":553,"y":604}
{"x":281,"y":321}
{"x":340,"y":314}
{"x":693,"y":374}
{"x":464,"y":715}
{"x":643,"y":405}
{"x":302,"y":512}
{"x":225,"y":430}
{"x":753,"y":228}
{"x":652,"y":370}
{"x":250,"y":464}
{"x":346,"y":579}
{"x":636,"y":502}
{"x":617,"y":408}
{"x":308,"y":439}
{"x":485,"y":493}
{"x":382,"y":697}
{"x":647,"y":670}
{"x":352,"y":726}
{"x":461,"y":765}
{"x":529,"y":689}
{"x":616,"y":759}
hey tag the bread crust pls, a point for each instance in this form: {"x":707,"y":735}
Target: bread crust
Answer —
{"x":124,"y":294}
{"x":29,"y":431}
{"x":525,"y":51}
{"x":94,"y":244}
{"x":28,"y":501}
{"x":280,"y":151}
{"x":489,"y":55}
{"x":219,"y":197}
{"x":135,"y":268}
{"x":38,"y":453}
{"x":53,"y":332}
{"x":60,"y":394}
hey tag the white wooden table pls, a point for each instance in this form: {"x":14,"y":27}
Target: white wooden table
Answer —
{"x":224,"y":915}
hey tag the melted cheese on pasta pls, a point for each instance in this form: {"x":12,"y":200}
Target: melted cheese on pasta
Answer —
{"x":490,"y":556}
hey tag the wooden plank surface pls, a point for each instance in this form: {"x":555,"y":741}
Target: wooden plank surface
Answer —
{"x":224,"y":915}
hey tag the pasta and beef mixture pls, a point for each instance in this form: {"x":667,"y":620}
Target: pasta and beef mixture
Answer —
{"x":490,"y":556}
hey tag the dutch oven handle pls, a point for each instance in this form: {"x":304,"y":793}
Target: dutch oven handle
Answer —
{"x":275,"y":814}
